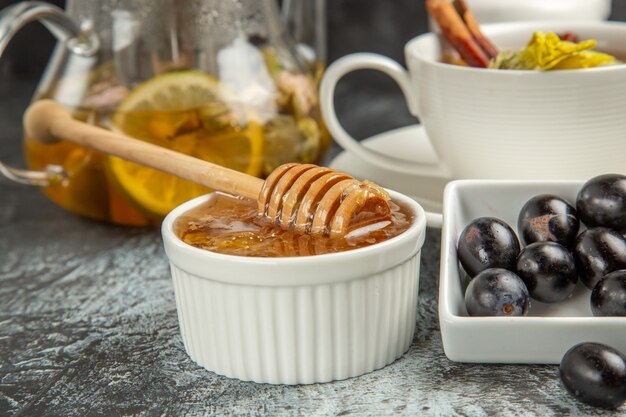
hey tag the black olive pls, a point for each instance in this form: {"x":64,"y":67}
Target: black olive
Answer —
{"x":608,"y":297}
{"x":548,"y":270}
{"x":487,"y":242}
{"x":599,"y":251}
{"x":602,"y":202}
{"x":595,"y":374}
{"x":548,"y":218}
{"x":496,"y":292}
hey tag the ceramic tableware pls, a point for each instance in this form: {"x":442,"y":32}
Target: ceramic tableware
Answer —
{"x":297,"y":320}
{"x":514,"y":124}
{"x":406,"y":142}
{"x":491,"y":11}
{"x":549,"y":330}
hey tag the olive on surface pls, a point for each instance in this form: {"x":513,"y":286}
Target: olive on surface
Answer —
{"x":548,"y":270}
{"x":548,"y":218}
{"x":595,"y":374}
{"x":608,"y":297}
{"x":597,"y":252}
{"x":497,"y":292}
{"x":602,"y":202}
{"x":487,"y":242}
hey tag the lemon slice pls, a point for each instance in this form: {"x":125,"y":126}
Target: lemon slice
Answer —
{"x":181,"y":111}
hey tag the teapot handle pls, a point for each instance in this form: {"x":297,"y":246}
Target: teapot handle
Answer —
{"x":80,"y":41}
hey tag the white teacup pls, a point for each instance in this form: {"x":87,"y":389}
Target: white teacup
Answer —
{"x":491,"y":11}
{"x":568,"y":124}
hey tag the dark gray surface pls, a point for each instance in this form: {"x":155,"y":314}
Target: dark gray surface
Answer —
{"x":88,"y":323}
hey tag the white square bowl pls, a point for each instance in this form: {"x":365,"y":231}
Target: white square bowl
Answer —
{"x":549,"y":330}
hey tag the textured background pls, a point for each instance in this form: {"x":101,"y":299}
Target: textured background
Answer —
{"x":87,"y":313}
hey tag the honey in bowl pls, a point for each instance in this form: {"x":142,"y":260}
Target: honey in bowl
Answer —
{"x":232,"y":226}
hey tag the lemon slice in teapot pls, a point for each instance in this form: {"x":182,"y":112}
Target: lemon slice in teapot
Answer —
{"x":181,"y":111}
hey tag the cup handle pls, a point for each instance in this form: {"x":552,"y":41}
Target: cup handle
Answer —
{"x":358,"y":61}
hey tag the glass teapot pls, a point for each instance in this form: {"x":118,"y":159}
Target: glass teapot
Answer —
{"x":216,"y":79}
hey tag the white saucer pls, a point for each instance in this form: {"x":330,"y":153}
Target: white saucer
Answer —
{"x":409,"y":143}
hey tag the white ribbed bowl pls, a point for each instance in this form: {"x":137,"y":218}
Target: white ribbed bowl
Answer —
{"x":297,"y":320}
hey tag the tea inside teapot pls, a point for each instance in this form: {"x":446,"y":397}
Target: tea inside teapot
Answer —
{"x":218,"y":80}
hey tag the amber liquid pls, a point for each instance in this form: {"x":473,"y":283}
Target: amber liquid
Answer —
{"x":102,"y":188}
{"x":95,"y":189}
{"x":88,"y":190}
{"x":231,"y":226}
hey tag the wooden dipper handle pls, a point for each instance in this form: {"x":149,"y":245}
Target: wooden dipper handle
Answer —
{"x":49,"y":122}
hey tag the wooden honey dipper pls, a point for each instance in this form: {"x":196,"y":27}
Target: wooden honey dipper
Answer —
{"x":306,"y":197}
